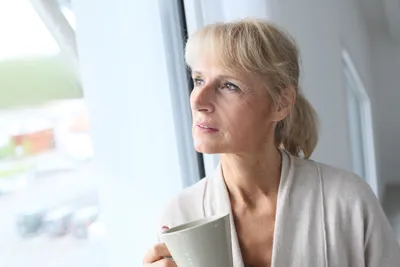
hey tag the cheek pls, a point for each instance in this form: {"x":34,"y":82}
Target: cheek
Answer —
{"x":247,"y":111}
{"x":240,"y":117}
{"x":249,"y":119}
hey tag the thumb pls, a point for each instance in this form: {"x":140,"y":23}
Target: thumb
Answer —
{"x":163,"y":229}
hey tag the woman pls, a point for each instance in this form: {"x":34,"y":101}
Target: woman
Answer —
{"x":286,"y":210}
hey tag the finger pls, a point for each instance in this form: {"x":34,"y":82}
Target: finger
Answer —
{"x":156,"y":253}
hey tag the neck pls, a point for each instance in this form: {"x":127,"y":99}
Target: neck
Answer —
{"x":250,"y":177}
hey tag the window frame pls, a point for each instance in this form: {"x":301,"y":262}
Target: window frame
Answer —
{"x":361,"y":94}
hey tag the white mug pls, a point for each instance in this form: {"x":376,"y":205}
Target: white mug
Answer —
{"x":201,"y":243}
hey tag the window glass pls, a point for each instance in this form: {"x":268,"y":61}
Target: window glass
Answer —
{"x":49,"y":210}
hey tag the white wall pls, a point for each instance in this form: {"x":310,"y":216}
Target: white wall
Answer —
{"x":386,"y":67}
{"x":322,"y":28}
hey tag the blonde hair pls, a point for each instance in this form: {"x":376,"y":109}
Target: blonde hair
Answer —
{"x":259,"y":47}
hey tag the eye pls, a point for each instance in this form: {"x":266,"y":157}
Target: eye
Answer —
{"x":198,"y":82}
{"x":231,"y":87}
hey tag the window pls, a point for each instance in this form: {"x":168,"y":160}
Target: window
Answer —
{"x":48,"y":196}
{"x":138,"y":98}
{"x":66,"y":9}
{"x":360,"y":124}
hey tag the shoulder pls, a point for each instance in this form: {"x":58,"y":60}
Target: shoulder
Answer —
{"x":186,"y":206}
{"x":342,"y":186}
{"x":347,"y":199}
{"x":353,"y":215}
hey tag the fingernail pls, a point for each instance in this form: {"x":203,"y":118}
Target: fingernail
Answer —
{"x":164,"y":228}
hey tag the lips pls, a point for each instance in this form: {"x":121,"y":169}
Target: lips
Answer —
{"x":206,"y":126}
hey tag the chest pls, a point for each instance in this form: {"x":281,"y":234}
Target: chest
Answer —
{"x":255,"y":232}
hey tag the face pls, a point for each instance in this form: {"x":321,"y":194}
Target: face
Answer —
{"x":232,"y":112}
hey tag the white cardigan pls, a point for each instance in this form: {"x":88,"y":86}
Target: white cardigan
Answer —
{"x":324,"y":217}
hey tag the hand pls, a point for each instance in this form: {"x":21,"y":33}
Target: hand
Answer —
{"x":159,"y":256}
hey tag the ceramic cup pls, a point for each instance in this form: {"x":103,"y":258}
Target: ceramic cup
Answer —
{"x":204,"y":242}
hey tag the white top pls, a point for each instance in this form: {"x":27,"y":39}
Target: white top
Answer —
{"x":324,"y":217}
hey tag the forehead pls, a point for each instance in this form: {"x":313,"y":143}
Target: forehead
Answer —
{"x":211,"y":60}
{"x":208,"y":66}
{"x":208,"y":55}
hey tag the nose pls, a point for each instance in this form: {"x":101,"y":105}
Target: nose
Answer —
{"x":201,"y":99}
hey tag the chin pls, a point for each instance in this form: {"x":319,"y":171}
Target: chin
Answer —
{"x":207,"y":148}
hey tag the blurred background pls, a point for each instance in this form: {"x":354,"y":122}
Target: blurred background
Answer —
{"x":109,"y":76}
{"x":48,"y":199}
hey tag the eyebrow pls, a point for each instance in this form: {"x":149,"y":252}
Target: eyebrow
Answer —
{"x":196,"y":72}
{"x":220,"y":76}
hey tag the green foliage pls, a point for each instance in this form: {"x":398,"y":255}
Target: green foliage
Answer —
{"x":33,"y":81}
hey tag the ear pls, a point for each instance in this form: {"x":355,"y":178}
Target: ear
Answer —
{"x":286,"y":101}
